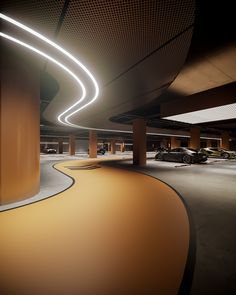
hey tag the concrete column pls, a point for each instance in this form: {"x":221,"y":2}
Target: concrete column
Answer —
{"x":225,"y":140}
{"x":92,"y":144}
{"x":60,"y":145}
{"x":194,"y":138}
{"x":123,"y":147}
{"x":139,"y":142}
{"x":209,"y":144}
{"x":19,"y":128}
{"x":71,"y":145}
{"x":109,"y":147}
{"x":174,"y":142}
{"x":113,"y":146}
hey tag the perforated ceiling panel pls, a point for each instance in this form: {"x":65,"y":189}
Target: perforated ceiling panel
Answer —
{"x":111,"y":36}
{"x":42,"y":15}
{"x":134,"y":48}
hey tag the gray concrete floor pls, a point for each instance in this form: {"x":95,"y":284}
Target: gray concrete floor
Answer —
{"x":209,"y":190}
{"x":51,"y":182}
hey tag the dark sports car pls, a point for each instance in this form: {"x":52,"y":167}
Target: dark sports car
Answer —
{"x":101,"y":151}
{"x":181,"y":154}
{"x":49,"y":151}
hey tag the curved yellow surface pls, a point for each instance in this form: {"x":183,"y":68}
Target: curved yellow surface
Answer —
{"x":113,"y":232}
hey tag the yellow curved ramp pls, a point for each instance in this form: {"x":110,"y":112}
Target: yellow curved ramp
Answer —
{"x":112,"y":232}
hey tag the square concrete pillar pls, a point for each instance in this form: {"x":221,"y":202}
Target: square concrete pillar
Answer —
{"x":174,"y":142}
{"x":71,"y":145}
{"x":60,"y":145}
{"x":225,"y":140}
{"x":208,"y":143}
{"x":92,"y":144}
{"x":123,"y":147}
{"x":113,"y":146}
{"x":139,"y":142}
{"x":194,"y":138}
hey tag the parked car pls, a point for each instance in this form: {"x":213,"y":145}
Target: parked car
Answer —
{"x":218,"y":152}
{"x":181,"y":154}
{"x":49,"y":151}
{"x":101,"y":151}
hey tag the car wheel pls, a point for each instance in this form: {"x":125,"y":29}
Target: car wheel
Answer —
{"x":187,"y":159}
{"x":159,"y":157}
{"x":225,"y":156}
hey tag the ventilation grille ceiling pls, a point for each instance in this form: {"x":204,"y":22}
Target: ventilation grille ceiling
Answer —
{"x":114,"y":35}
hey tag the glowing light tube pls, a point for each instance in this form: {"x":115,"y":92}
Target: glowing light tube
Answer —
{"x":49,"y":58}
{"x":62,"y":50}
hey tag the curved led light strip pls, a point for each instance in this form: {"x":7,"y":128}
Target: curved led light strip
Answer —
{"x":66,"y":53}
{"x":49,"y":58}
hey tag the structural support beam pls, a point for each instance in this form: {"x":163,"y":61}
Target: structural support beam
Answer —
{"x":60,"y":145}
{"x":225,"y":140}
{"x":113,"y":146}
{"x":211,"y":98}
{"x":194,"y":138}
{"x":92,"y":144}
{"x":174,"y":142}
{"x":71,"y":145}
{"x":139,"y":142}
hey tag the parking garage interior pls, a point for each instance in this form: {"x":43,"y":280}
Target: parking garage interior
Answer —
{"x":118,"y":147}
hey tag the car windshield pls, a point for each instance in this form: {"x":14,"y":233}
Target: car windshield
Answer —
{"x":192,"y":150}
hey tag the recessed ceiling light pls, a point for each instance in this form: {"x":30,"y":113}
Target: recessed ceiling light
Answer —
{"x":220,"y":113}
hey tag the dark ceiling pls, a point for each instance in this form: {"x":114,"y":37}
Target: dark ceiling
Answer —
{"x":214,"y":29}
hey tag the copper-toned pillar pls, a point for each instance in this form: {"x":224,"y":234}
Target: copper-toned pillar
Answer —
{"x":194,"y":138}
{"x":175,"y":143}
{"x":20,"y":138}
{"x":72,"y":145}
{"x":139,"y":142}
{"x":225,"y":140}
{"x":123,"y":147}
{"x":60,"y":145}
{"x":208,"y":143}
{"x":92,"y":144}
{"x":113,"y":146}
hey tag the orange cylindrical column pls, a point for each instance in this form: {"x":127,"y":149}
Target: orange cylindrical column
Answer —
{"x":72,"y":145}
{"x":123,"y":147}
{"x":225,"y":140}
{"x":208,"y":143}
{"x":92,"y":144}
{"x":113,"y":146}
{"x":20,"y":138}
{"x":175,"y":143}
{"x":194,"y":138}
{"x":60,"y":145}
{"x":139,"y":142}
